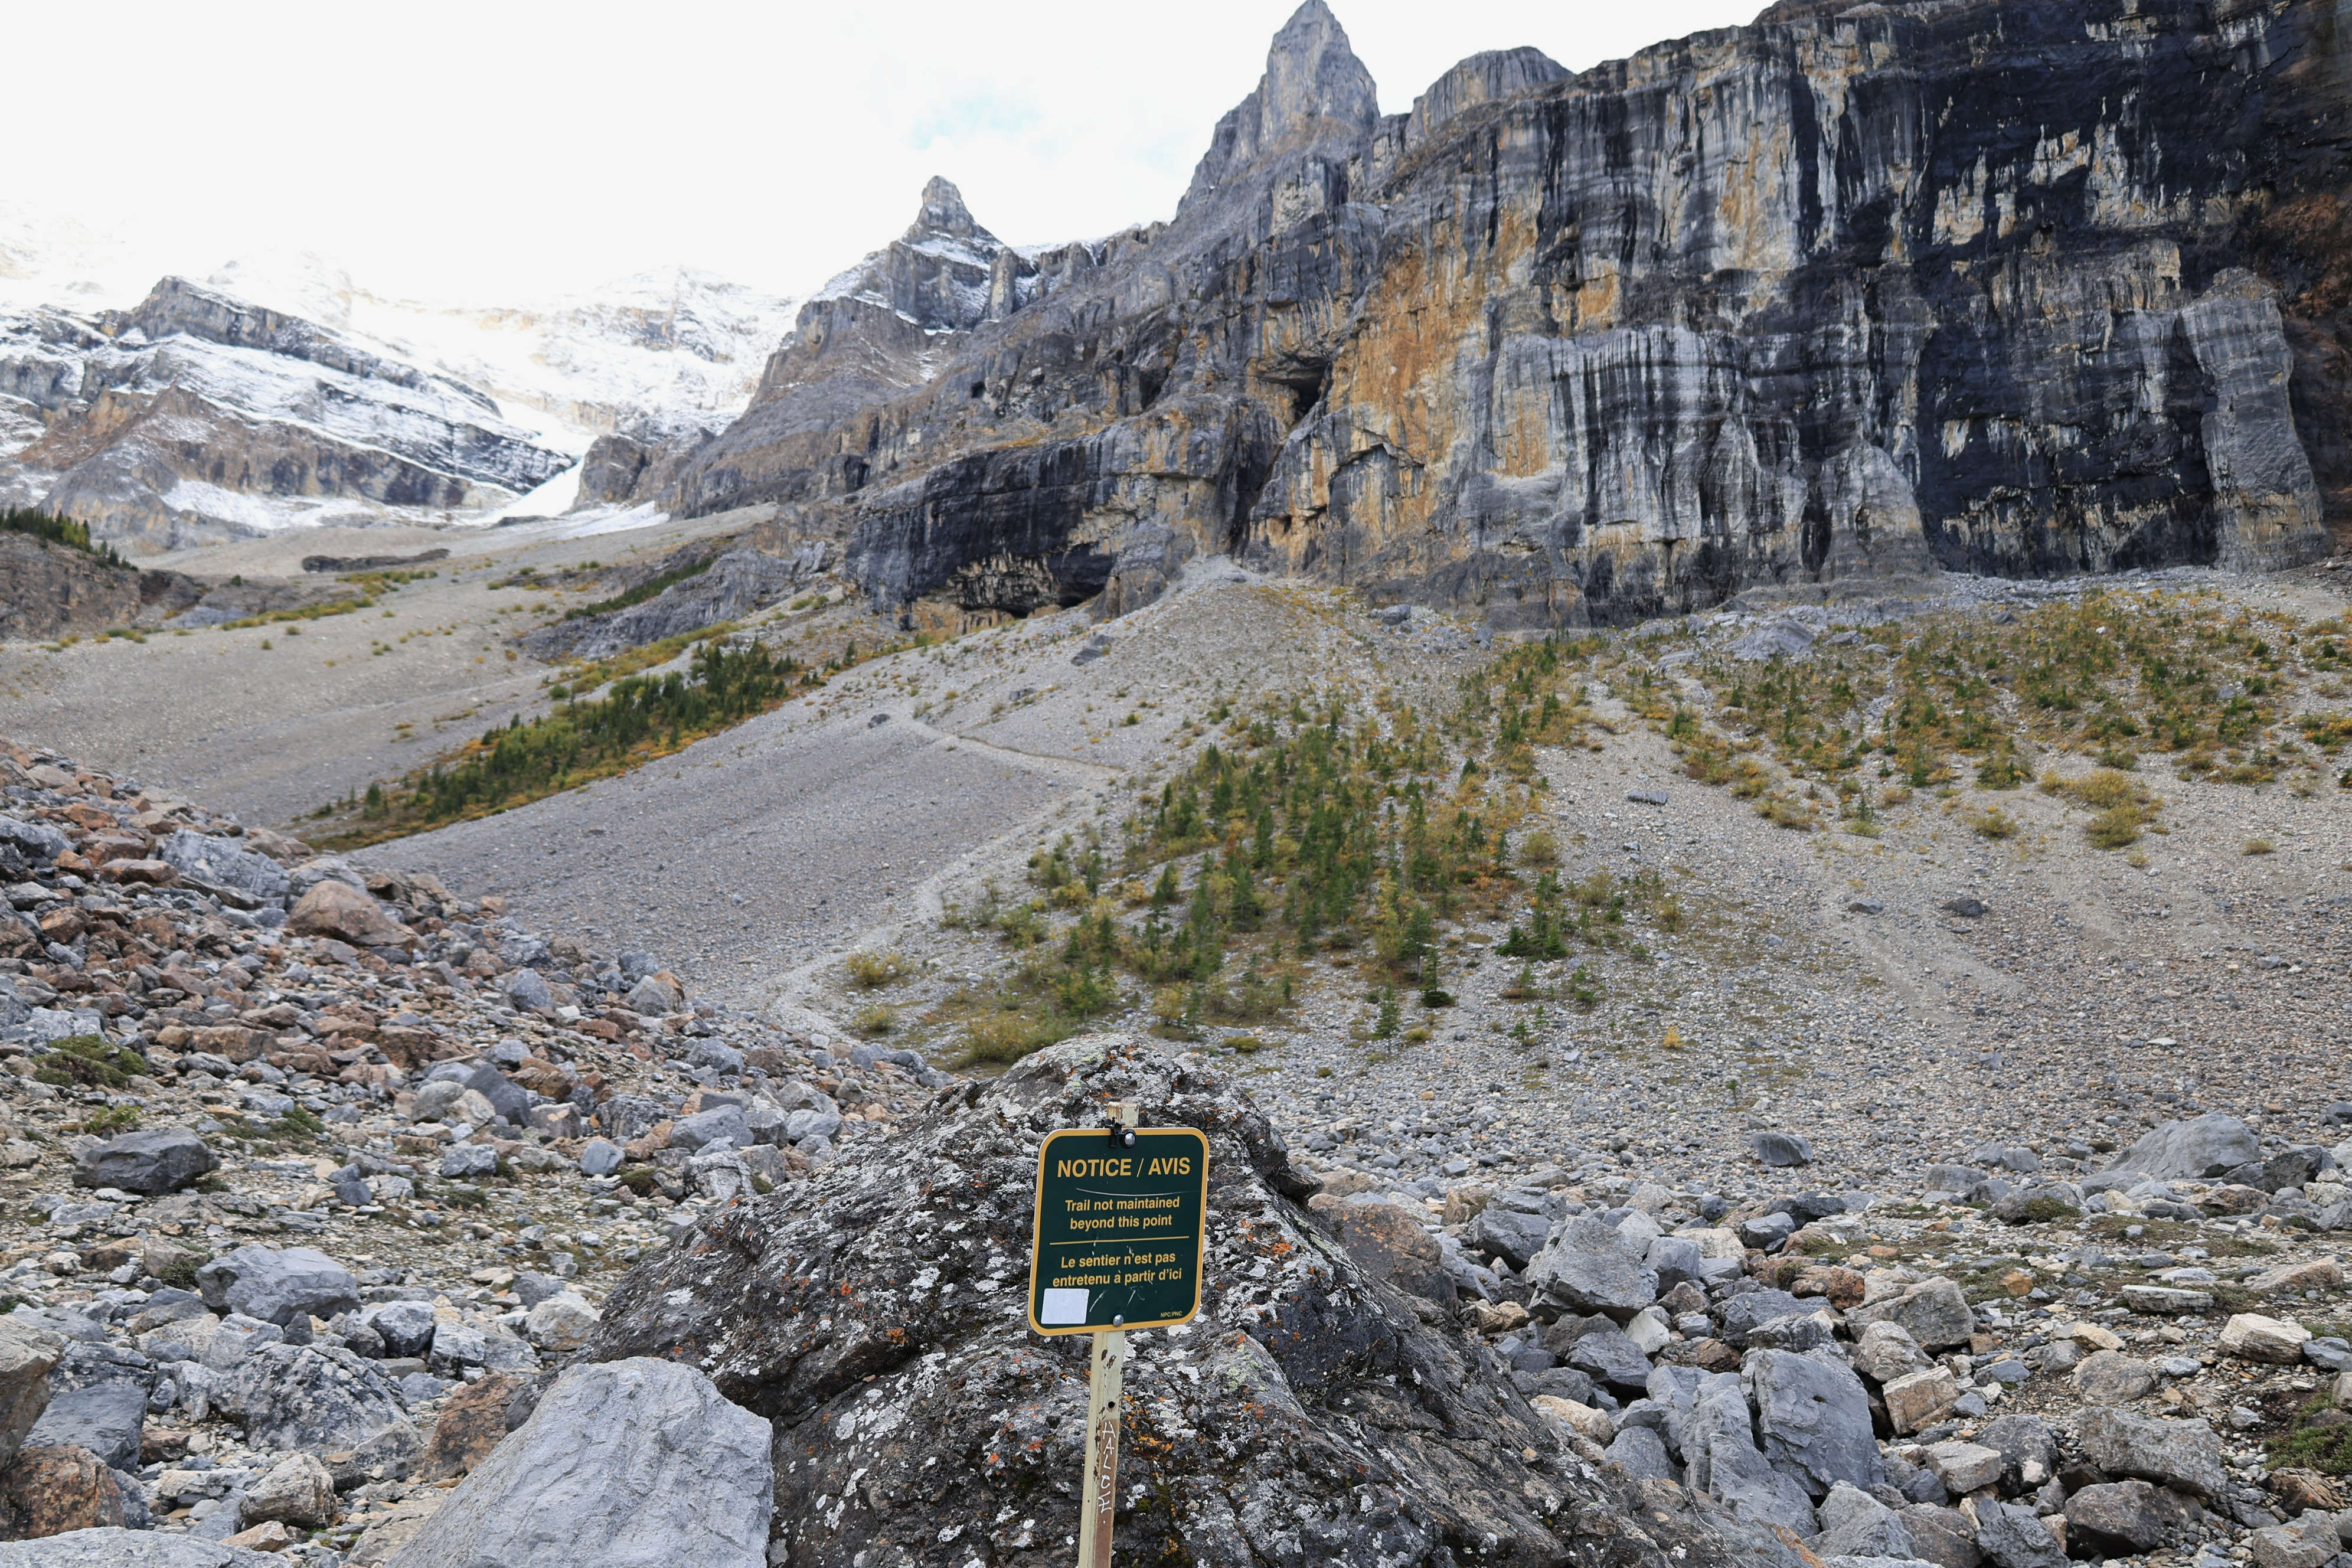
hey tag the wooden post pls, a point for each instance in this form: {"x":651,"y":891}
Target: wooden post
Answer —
{"x":1100,"y":1508}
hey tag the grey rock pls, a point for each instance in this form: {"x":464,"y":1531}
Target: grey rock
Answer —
{"x":1721,"y":1459}
{"x":811,"y":1124}
{"x":152,"y":1163}
{"x":113,"y":1547}
{"x":36,"y":839}
{"x":464,"y":1161}
{"x":1856,"y":1524}
{"x":652,"y":997}
{"x":27,"y":1352}
{"x":104,"y":1418}
{"x":600,"y":1158}
{"x":1783,"y":637}
{"x":2209,"y":1145}
{"x":1591,"y":1267}
{"x":2028,"y":1448}
{"x":491,"y":1347}
{"x":1741,"y":1313}
{"x":314,"y":1397}
{"x":2182,"y":1454}
{"x":1767,"y":1231}
{"x":1798,"y":1331}
{"x":619,"y":1463}
{"x":1780,"y":1148}
{"x":2310,"y":1541}
{"x":1885,"y":1350}
{"x":1942,"y":1535}
{"x":723,"y":1123}
{"x":219,"y":863}
{"x":1814,"y":1417}
{"x":628,"y":1117}
{"x":405,"y":1327}
{"x":528,"y":991}
{"x":1514,"y":1237}
{"x":839,"y":1249}
{"x":1608,"y":1356}
{"x":2012,"y":1537}
{"x":534,"y":1288}
{"x":278,"y":1286}
{"x":1951,"y":1179}
{"x":2117,"y":1517}
{"x":2111,"y":1377}
{"x":1643,"y":1453}
{"x":1675,"y":1260}
{"x":1935,"y":1312}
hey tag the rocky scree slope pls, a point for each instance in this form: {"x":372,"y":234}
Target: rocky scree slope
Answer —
{"x":2028,"y":289}
{"x":1308,"y":1416}
{"x":324,"y":1278}
{"x":373,"y":1131}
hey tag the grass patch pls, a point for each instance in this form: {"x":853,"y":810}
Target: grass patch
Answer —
{"x":87,"y":1061}
{"x":872,"y":971}
{"x":1007,"y":1037}
{"x":113,"y":1118}
{"x":2320,"y":1439}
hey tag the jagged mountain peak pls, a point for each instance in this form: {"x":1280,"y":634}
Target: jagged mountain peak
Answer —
{"x":1313,"y":85}
{"x":944,"y":216}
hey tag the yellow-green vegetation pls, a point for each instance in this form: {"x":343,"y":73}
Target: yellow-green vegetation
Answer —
{"x":871,"y":971}
{"x":628,"y":720}
{"x":87,"y":1061}
{"x":305,"y":613}
{"x":2120,"y":804}
{"x":638,"y":719}
{"x":876,"y":1021}
{"x":2320,"y":1439}
{"x":374,"y":583}
{"x":645,"y":590}
{"x":1313,"y":827}
{"x":1949,"y":697}
{"x":585,"y":676}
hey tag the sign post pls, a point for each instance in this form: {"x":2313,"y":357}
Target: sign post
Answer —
{"x":1120,"y":1228}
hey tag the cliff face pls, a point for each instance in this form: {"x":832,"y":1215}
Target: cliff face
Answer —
{"x":2025,"y":289}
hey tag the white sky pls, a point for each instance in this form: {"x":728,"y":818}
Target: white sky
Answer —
{"x":491,"y":151}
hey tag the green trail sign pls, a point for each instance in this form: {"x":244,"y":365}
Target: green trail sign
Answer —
{"x":1119,"y":1229}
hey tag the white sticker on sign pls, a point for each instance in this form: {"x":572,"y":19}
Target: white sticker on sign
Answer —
{"x":1062,"y":1306}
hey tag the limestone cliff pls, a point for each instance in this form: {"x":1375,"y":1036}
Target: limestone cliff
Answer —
{"x":2001,"y":286}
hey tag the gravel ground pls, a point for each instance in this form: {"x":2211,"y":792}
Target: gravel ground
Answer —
{"x":274,"y":721}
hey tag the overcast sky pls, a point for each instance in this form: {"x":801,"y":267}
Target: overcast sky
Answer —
{"x":490,"y":151}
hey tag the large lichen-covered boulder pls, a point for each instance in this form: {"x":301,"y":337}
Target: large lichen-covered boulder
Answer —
{"x":876,"y":1318}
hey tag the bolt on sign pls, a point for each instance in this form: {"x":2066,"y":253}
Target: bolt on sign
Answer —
{"x":1118,"y":1235}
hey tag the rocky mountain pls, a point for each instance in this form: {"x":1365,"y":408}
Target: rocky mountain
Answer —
{"x":195,"y":417}
{"x":433,"y":409}
{"x":2024,"y":289}
{"x":654,"y":352}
